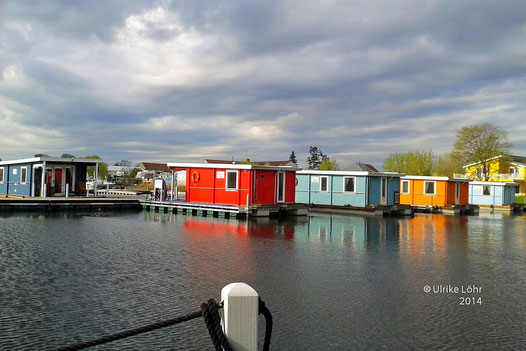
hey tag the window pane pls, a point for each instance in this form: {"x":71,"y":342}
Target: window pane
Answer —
{"x":349,"y":184}
{"x":231,"y":180}
{"x":23,"y":175}
{"x":486,"y":190}
{"x":1,"y":174}
{"x":405,"y":186}
{"x":429,"y":188}
{"x":323,"y":183}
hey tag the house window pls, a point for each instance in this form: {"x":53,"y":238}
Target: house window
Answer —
{"x":348,"y":184}
{"x":486,"y":190}
{"x":324,"y":183}
{"x":23,"y":175}
{"x":429,"y":188}
{"x":405,"y":186}
{"x":231,"y":180}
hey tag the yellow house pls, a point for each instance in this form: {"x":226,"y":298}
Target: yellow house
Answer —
{"x":502,"y":169}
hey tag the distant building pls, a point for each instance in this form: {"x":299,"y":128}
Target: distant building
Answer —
{"x":358,"y":166}
{"x":151,"y":170}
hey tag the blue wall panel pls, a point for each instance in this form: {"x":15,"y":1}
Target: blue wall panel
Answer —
{"x":15,"y":187}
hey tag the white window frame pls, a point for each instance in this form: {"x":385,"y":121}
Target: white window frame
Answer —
{"x":321,"y":183}
{"x":3,"y":175}
{"x":489,"y":189}
{"x":24,"y":181}
{"x":434,"y":187}
{"x":354,"y":185}
{"x":237,"y":181}
{"x":406,"y":181}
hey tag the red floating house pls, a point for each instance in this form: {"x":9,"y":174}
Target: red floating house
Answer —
{"x":269,"y":185}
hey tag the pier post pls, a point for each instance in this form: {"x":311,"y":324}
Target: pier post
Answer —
{"x":67,"y":190}
{"x":240,"y":316}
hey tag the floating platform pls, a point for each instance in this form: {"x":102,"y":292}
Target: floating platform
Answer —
{"x":511,"y":208}
{"x":450,"y":209}
{"x":228,"y":211}
{"x":51,"y":204}
{"x":373,"y":210}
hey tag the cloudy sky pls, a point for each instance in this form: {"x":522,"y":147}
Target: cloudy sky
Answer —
{"x":187,"y":80}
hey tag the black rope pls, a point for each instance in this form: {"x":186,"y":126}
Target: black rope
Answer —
{"x":209,"y":311}
{"x":213,"y":324}
{"x":132,"y":332}
{"x":268,"y":324}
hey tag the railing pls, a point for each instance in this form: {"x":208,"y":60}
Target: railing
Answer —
{"x":493,"y":177}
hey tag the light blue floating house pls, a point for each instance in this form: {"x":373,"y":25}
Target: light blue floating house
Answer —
{"x":45,"y":176}
{"x":359,"y":186}
{"x":492,"y":193}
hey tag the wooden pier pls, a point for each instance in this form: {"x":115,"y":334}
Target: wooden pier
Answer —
{"x":51,"y":204}
{"x":373,"y":210}
{"x":228,"y":211}
{"x":450,"y":209}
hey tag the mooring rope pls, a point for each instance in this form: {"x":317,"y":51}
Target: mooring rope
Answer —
{"x":268,"y":324}
{"x":209,"y":311}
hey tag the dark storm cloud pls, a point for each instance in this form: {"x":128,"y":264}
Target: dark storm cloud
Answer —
{"x":171,"y":80}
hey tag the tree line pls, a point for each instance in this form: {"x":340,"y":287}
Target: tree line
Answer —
{"x":474,"y":144}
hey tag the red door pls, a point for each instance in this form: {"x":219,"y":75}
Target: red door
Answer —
{"x":58,"y":180}
{"x":265,"y":184}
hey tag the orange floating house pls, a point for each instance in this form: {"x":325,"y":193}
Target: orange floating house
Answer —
{"x":443,"y":193}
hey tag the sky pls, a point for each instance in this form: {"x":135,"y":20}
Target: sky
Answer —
{"x":189,"y":80}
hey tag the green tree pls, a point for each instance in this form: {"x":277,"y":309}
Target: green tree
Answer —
{"x":316,"y":157}
{"x":103,"y":167}
{"x":479,"y":143}
{"x":329,"y":165}
{"x":411,"y":162}
{"x":447,"y":165}
{"x":292,"y":158}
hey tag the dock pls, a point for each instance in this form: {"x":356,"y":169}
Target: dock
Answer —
{"x":450,"y":209}
{"x":52,"y":204}
{"x":228,"y":211}
{"x":511,"y":208}
{"x":373,"y":210}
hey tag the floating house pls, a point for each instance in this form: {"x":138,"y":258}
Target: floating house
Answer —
{"x":436,"y":192}
{"x":502,"y":168}
{"x":264,"y":187}
{"x":492,"y":193}
{"x":45,"y":176}
{"x":354,"y":189}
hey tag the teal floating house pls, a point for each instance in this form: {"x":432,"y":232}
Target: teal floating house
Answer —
{"x":360,"y":186}
{"x":45,"y":176}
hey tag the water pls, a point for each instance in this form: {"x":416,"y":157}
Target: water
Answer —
{"x":331,"y":282}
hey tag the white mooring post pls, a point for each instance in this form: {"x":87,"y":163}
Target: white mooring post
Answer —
{"x":67,"y":190}
{"x":240,"y":316}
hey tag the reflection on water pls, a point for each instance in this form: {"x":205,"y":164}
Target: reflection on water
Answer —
{"x":332,"y":282}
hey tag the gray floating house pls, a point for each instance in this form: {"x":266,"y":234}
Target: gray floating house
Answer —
{"x":45,"y":176}
{"x":359,"y":186}
{"x":492,"y":193}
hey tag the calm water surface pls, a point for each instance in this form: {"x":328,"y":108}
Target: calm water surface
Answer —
{"x":331,"y":282}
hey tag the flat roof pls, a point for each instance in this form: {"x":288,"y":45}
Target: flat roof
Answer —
{"x":181,"y":165}
{"x":436,"y":178}
{"x":495,"y":183}
{"x":351,"y":173}
{"x":49,"y":159}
